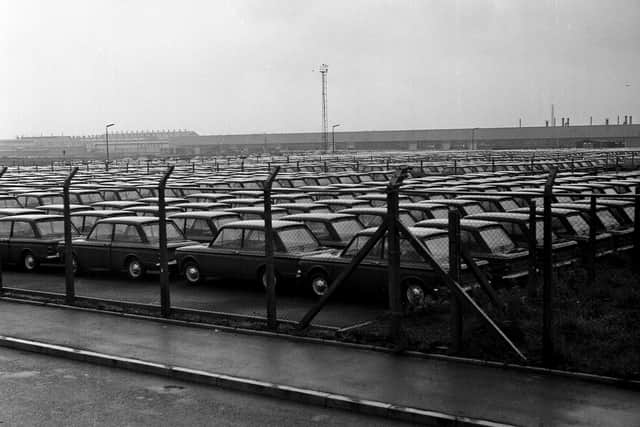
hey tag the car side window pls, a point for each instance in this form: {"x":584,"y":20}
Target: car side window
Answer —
{"x":253,"y":240}
{"x":77,"y":221}
{"x":101,"y":232}
{"x":23,"y":229}
{"x":126,"y":233}
{"x":5,"y":229}
{"x":228,"y":238}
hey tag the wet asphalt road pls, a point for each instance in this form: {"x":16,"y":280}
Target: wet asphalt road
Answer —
{"x":238,"y":298}
{"x":37,"y":390}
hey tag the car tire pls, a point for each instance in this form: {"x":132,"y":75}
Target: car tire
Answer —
{"x":319,"y":284}
{"x":134,"y":268}
{"x":414,"y":295}
{"x":263,"y":278}
{"x":192,"y":273}
{"x":29,"y":262}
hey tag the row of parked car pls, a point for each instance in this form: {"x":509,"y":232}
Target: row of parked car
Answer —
{"x":217,"y":228}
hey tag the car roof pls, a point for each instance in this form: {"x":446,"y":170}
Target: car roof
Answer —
{"x":317,"y":215}
{"x":129,"y":219}
{"x":416,"y":231}
{"x":493,"y":216}
{"x":259,"y":224}
{"x":203,"y":214}
{"x":474,"y":223}
{"x":31,"y":217}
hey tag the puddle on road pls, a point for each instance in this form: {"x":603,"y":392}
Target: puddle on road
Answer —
{"x":19,"y":375}
{"x":167,"y":389}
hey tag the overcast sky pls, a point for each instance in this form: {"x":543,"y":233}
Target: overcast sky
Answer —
{"x":213,"y":66}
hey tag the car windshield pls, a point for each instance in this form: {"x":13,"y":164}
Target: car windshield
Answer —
{"x":152,"y":231}
{"x":497,"y":239}
{"x":54,"y":229}
{"x":347,"y":228}
{"x":298,"y":239}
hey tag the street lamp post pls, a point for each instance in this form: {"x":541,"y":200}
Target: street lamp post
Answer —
{"x":333,"y":137}
{"x":106,"y":137}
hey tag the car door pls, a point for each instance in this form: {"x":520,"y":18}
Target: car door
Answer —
{"x":127,"y":241}
{"x":372,"y":271}
{"x":222,"y":257}
{"x":94,"y":253}
{"x":22,"y":238}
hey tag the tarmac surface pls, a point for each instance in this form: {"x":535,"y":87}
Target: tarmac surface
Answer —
{"x":38,"y":390}
{"x":453,"y":388}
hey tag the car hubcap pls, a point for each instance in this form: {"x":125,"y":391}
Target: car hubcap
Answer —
{"x":29,"y":262}
{"x":319,"y":286}
{"x":415,"y":295}
{"x":192,"y":273}
{"x":135,"y":269}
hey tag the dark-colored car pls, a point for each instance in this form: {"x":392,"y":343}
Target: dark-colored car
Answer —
{"x":39,"y":198}
{"x":127,"y":243}
{"x":420,"y":283}
{"x":202,"y":226}
{"x":85,"y":220}
{"x":31,"y":240}
{"x":488,"y":241}
{"x":373,"y":217}
{"x":331,"y":229}
{"x":238,"y":252}
{"x":517,"y":225}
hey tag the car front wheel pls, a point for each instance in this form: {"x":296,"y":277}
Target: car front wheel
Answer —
{"x":415,"y":295}
{"x":29,"y":262}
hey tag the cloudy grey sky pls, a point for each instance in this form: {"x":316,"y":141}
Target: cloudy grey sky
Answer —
{"x":215,"y":66}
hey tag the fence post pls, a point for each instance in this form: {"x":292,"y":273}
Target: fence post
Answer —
{"x":636,"y":230}
{"x":2,"y":171}
{"x":532,"y":283}
{"x":165,"y":295}
{"x":455,"y":166}
{"x":272,"y":320}
{"x":454,"y":272}
{"x":69,"y":273}
{"x":393,"y":253}
{"x":591,"y":268}
{"x":493,"y":164}
{"x":547,"y":289}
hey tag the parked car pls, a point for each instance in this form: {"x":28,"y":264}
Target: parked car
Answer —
{"x":331,"y":229}
{"x":31,"y":240}
{"x":418,"y":279}
{"x":488,"y":241}
{"x":257,"y":212}
{"x":493,"y":203}
{"x":58,"y":209}
{"x":426,"y":210}
{"x":296,"y":208}
{"x":606,"y":221}
{"x":517,"y":226}
{"x":151,"y":210}
{"x":571,"y":224}
{"x":116,"y":204}
{"x":18,"y":211}
{"x":202,"y":226}
{"x":39,"y":198}
{"x":373,"y":217}
{"x":238,"y":250}
{"x":7,"y":201}
{"x":126,"y":243}
{"x":84,"y":220}
{"x":201,"y":206}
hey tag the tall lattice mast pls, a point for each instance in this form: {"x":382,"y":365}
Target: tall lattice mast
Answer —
{"x":324,"y":69}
